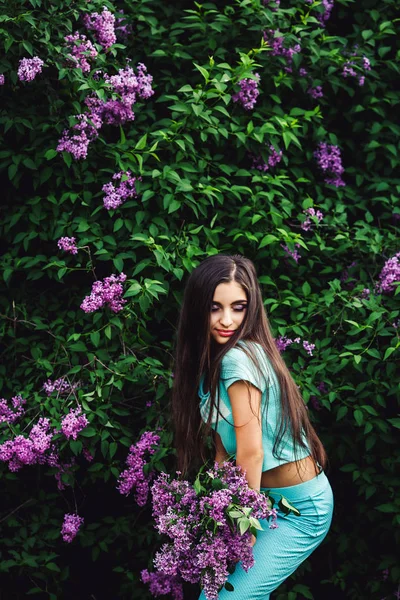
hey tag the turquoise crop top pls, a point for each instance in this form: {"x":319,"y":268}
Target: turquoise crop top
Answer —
{"x":237,"y":366}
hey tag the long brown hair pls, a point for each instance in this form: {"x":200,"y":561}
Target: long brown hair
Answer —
{"x":196,"y":353}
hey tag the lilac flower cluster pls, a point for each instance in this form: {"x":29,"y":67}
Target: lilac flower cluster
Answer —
{"x":209,"y":526}
{"x":249,"y":92}
{"x":349,"y":71}
{"x":330,"y":161}
{"x":60,"y":385}
{"x":315,"y":92}
{"x":29,"y":68}
{"x":103,"y":25}
{"x":310,"y":212}
{"x":161,"y":584}
{"x":276,"y":43}
{"x":389,"y":274}
{"x":115,"y":196}
{"x":77,"y":141}
{"x":2,"y":80}
{"x":295,"y":254}
{"x":133,"y":476}
{"x":122,"y":29}
{"x":282,"y":342}
{"x":324,"y":16}
{"x":70,"y":527}
{"x":81,"y":51}
{"x":68,"y":244}
{"x":130,"y":87}
{"x":107,"y":292}
{"x":273,"y":159}
{"x":9,"y":415}
{"x":73,"y":423}
{"x":28,"y":451}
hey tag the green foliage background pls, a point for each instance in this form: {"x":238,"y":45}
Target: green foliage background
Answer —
{"x":198,"y":195}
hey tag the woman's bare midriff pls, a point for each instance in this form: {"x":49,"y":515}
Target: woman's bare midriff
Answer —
{"x":290,"y":474}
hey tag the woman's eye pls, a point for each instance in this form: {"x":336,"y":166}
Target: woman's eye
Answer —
{"x":240,"y":307}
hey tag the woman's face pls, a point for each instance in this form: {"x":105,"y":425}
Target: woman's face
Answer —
{"x":228,"y":310}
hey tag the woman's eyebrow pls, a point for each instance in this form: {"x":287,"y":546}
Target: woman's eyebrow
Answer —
{"x":236,"y":302}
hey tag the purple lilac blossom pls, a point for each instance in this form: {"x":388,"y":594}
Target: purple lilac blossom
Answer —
{"x":77,"y":140}
{"x":81,"y":51}
{"x":295,"y":254}
{"x":315,"y":92}
{"x":276,"y":2}
{"x":325,"y":16}
{"x":29,"y":68}
{"x":277,"y":48}
{"x":348,"y":70}
{"x":70,"y":527}
{"x":131,"y":86}
{"x":249,"y":92}
{"x":197,"y":551}
{"x":303,"y":72}
{"x":361,"y":80}
{"x":9,"y":415}
{"x":122,"y":29}
{"x":107,"y":292}
{"x":161,"y":584}
{"x":308,"y":347}
{"x":366,"y":64}
{"x":282,"y":342}
{"x":103,"y":25}
{"x":322,"y":387}
{"x":389,"y":274}
{"x":310,"y":212}
{"x":73,"y":423}
{"x":365,"y":294}
{"x":68,"y":244}
{"x":273,"y":159}
{"x":60,"y":385}
{"x":115,"y":196}
{"x":330,"y":161}
{"x":87,"y":455}
{"x":2,"y":80}
{"x":133,"y":476}
{"x":28,"y":451}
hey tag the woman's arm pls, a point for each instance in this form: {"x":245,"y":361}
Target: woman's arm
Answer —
{"x":220,"y":453}
{"x":247,"y":420}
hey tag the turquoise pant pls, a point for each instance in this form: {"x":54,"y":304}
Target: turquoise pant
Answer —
{"x":278,"y":552}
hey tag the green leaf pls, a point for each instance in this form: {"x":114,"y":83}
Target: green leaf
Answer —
{"x":306,"y":288}
{"x":203,"y":71}
{"x":141,"y":143}
{"x":267,"y":240}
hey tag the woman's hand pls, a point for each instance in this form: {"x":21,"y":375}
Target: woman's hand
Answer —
{"x":253,"y":540}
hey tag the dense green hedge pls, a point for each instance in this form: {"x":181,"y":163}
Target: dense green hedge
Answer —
{"x":193,"y":151}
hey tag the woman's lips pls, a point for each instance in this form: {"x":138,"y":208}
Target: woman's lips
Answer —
{"x":225,"y":333}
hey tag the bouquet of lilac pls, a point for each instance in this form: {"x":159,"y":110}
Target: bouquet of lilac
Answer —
{"x":209,"y":525}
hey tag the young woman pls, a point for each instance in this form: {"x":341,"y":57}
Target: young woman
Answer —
{"x":232,"y":385}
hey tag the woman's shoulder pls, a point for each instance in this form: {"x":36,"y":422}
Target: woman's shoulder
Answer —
{"x":244,"y":354}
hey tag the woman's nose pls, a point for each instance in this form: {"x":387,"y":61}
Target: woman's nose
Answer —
{"x":226,"y":319}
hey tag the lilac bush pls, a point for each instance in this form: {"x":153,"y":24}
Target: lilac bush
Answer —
{"x":330,"y":162}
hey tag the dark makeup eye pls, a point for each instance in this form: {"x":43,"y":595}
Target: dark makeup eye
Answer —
{"x":240,"y":307}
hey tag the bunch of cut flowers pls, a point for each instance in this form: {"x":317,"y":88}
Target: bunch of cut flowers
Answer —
{"x":209,"y":526}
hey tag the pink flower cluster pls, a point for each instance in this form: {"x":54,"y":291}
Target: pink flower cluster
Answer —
{"x":103,"y":25}
{"x":330,"y":161}
{"x":68,"y":244}
{"x":28,"y":451}
{"x":310,"y":212}
{"x":2,"y":80}
{"x":273,"y":159}
{"x":81,"y":51}
{"x":133,"y":476}
{"x":60,"y":385}
{"x":389,"y":275}
{"x":129,"y":87}
{"x":282,"y":342}
{"x":70,"y":527}
{"x":107,"y":292}
{"x":115,"y":196}
{"x":249,"y":92}
{"x":8,"y":415}
{"x":29,"y":68}
{"x":73,"y":423}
